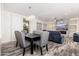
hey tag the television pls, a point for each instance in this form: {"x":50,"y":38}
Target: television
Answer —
{"x":61,"y":26}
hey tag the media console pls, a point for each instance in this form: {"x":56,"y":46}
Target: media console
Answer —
{"x":62,"y":31}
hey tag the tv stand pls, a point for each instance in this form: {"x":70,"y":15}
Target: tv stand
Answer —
{"x":62,"y":31}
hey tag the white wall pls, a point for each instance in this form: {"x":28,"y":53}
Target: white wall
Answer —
{"x":6,"y":26}
{"x":16,"y":24}
{"x":73,"y":26}
{"x":78,"y":24}
{"x":0,"y":29}
{"x":9,"y":23}
{"x":0,"y":21}
{"x":42,"y":22}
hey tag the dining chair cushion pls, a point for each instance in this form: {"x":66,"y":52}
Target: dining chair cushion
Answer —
{"x":43,"y":39}
{"x":20,"y":36}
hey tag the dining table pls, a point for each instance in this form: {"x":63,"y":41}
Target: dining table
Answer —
{"x":32,"y":37}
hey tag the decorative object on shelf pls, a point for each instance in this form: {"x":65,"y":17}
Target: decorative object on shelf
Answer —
{"x":25,"y":25}
{"x":39,"y":26}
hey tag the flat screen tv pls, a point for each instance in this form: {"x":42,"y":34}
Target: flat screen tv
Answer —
{"x":61,"y":26}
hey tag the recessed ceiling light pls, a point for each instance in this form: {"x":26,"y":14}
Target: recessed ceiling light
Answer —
{"x":29,"y":7}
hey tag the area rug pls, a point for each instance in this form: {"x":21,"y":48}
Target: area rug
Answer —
{"x":68,"y":48}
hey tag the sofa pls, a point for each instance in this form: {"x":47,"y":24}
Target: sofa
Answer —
{"x":76,"y":37}
{"x":56,"y":37}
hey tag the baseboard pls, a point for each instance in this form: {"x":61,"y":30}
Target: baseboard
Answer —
{"x":4,"y":42}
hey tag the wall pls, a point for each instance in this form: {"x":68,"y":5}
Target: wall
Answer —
{"x":0,"y":29}
{"x":73,"y":26}
{"x":16,"y":24}
{"x":0,"y":21}
{"x":51,"y":26}
{"x":41,"y":24}
{"x":77,"y":24}
{"x":9,"y":23}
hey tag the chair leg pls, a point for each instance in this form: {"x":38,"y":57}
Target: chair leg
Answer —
{"x":16,"y":43}
{"x":47,"y":47}
{"x":23,"y":51}
{"x":37,"y":46}
{"x":41,"y":50}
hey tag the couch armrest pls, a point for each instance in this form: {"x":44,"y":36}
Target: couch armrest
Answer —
{"x":75,"y":37}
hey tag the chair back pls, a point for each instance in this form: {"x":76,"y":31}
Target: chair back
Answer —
{"x":44,"y":38}
{"x":20,"y":37}
{"x":24,"y":31}
{"x":37,"y":32}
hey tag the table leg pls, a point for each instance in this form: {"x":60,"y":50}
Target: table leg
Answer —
{"x":31,"y":46}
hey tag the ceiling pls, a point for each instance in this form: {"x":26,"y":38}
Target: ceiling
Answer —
{"x":44,"y":11}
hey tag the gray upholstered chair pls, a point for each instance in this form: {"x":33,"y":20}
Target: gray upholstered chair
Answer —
{"x":24,"y":31}
{"x":43,"y":40}
{"x":37,"y":32}
{"x":20,"y":37}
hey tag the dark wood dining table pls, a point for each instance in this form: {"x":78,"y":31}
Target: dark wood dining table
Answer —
{"x":31,"y":38}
